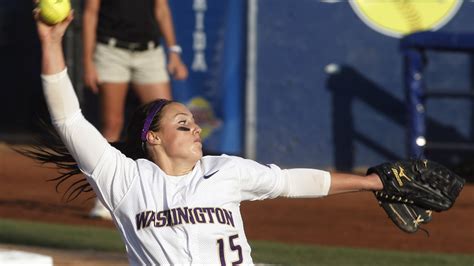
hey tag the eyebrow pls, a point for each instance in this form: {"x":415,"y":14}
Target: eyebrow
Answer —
{"x":186,"y":114}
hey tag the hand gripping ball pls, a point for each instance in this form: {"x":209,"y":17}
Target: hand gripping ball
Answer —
{"x":54,"y":11}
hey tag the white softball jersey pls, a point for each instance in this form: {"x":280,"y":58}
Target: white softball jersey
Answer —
{"x":173,"y":220}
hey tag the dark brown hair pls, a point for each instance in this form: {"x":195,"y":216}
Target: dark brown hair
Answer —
{"x":51,"y":150}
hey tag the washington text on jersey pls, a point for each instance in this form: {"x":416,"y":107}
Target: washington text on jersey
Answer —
{"x":185,"y":215}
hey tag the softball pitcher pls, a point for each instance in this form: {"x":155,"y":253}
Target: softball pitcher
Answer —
{"x":171,"y":204}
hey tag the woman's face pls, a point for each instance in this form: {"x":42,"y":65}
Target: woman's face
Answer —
{"x":179,"y":134}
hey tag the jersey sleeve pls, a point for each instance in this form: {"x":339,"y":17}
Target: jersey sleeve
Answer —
{"x":108,"y":171}
{"x":258,"y":181}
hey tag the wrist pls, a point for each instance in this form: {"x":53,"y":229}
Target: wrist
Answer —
{"x":174,"y":56}
{"x":50,"y":44}
{"x":175,"y":49}
{"x":374,"y":182}
{"x":88,"y":62}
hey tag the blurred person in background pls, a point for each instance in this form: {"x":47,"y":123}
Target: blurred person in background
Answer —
{"x":122,"y":47}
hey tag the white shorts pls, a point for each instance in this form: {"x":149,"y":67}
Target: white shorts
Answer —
{"x":117,"y":65}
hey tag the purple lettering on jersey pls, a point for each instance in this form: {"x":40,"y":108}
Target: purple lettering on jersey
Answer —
{"x":151,"y":218}
{"x":169,"y":218}
{"x":175,"y":219}
{"x":200,"y":218}
{"x":209,"y":212}
{"x":220,"y":216}
{"x":191,"y":216}
{"x":160,"y":219}
{"x":141,"y":219}
{"x":228,"y":217}
{"x":182,"y":215}
{"x":177,"y":216}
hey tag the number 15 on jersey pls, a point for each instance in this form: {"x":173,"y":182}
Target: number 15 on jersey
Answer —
{"x":225,"y":247}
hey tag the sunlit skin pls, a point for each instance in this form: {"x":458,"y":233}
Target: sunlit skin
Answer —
{"x":176,"y":147}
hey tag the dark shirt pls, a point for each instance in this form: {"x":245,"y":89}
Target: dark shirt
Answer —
{"x":128,"y":20}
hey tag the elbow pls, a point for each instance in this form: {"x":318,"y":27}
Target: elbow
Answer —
{"x":162,"y":15}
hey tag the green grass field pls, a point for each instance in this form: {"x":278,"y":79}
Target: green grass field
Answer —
{"x":93,"y":238}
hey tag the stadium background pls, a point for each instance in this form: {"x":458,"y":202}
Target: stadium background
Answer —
{"x":328,"y":93}
{"x":304,"y":115}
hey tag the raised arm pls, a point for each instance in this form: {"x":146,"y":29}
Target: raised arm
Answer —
{"x":83,"y":141}
{"x":109,"y":171}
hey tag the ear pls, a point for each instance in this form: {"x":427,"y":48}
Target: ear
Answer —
{"x":152,"y":138}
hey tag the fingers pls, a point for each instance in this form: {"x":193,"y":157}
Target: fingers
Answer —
{"x":176,"y":67}
{"x":181,"y":72}
{"x":65,"y":23}
{"x":180,"y":75}
{"x":171,"y":68}
{"x":91,"y":81}
{"x":70,"y":17}
{"x":178,"y":70}
{"x":184,"y":72}
{"x":94,"y":88}
{"x":36,"y":12}
{"x":91,"y":84}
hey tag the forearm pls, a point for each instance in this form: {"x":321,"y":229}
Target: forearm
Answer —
{"x":309,"y":183}
{"x":342,"y":183}
{"x":52,"y":58}
{"x":165,"y":22}
{"x":89,"y":25}
{"x":60,"y":96}
{"x":81,"y":138}
{"x":305,"y":183}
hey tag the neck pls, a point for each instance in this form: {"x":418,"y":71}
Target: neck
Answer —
{"x":173,"y":167}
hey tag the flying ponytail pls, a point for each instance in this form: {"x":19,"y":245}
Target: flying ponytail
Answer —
{"x":50,"y":149}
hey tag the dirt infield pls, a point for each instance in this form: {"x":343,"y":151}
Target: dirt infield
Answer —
{"x":353,"y":220}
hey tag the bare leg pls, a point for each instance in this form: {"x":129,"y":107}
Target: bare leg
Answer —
{"x":112,"y":102}
{"x":149,"y":92}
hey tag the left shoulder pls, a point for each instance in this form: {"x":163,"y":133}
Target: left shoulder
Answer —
{"x":211,"y":165}
{"x":217,"y":160}
{"x":229,"y":161}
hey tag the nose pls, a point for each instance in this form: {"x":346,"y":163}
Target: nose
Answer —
{"x":197,"y":130}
